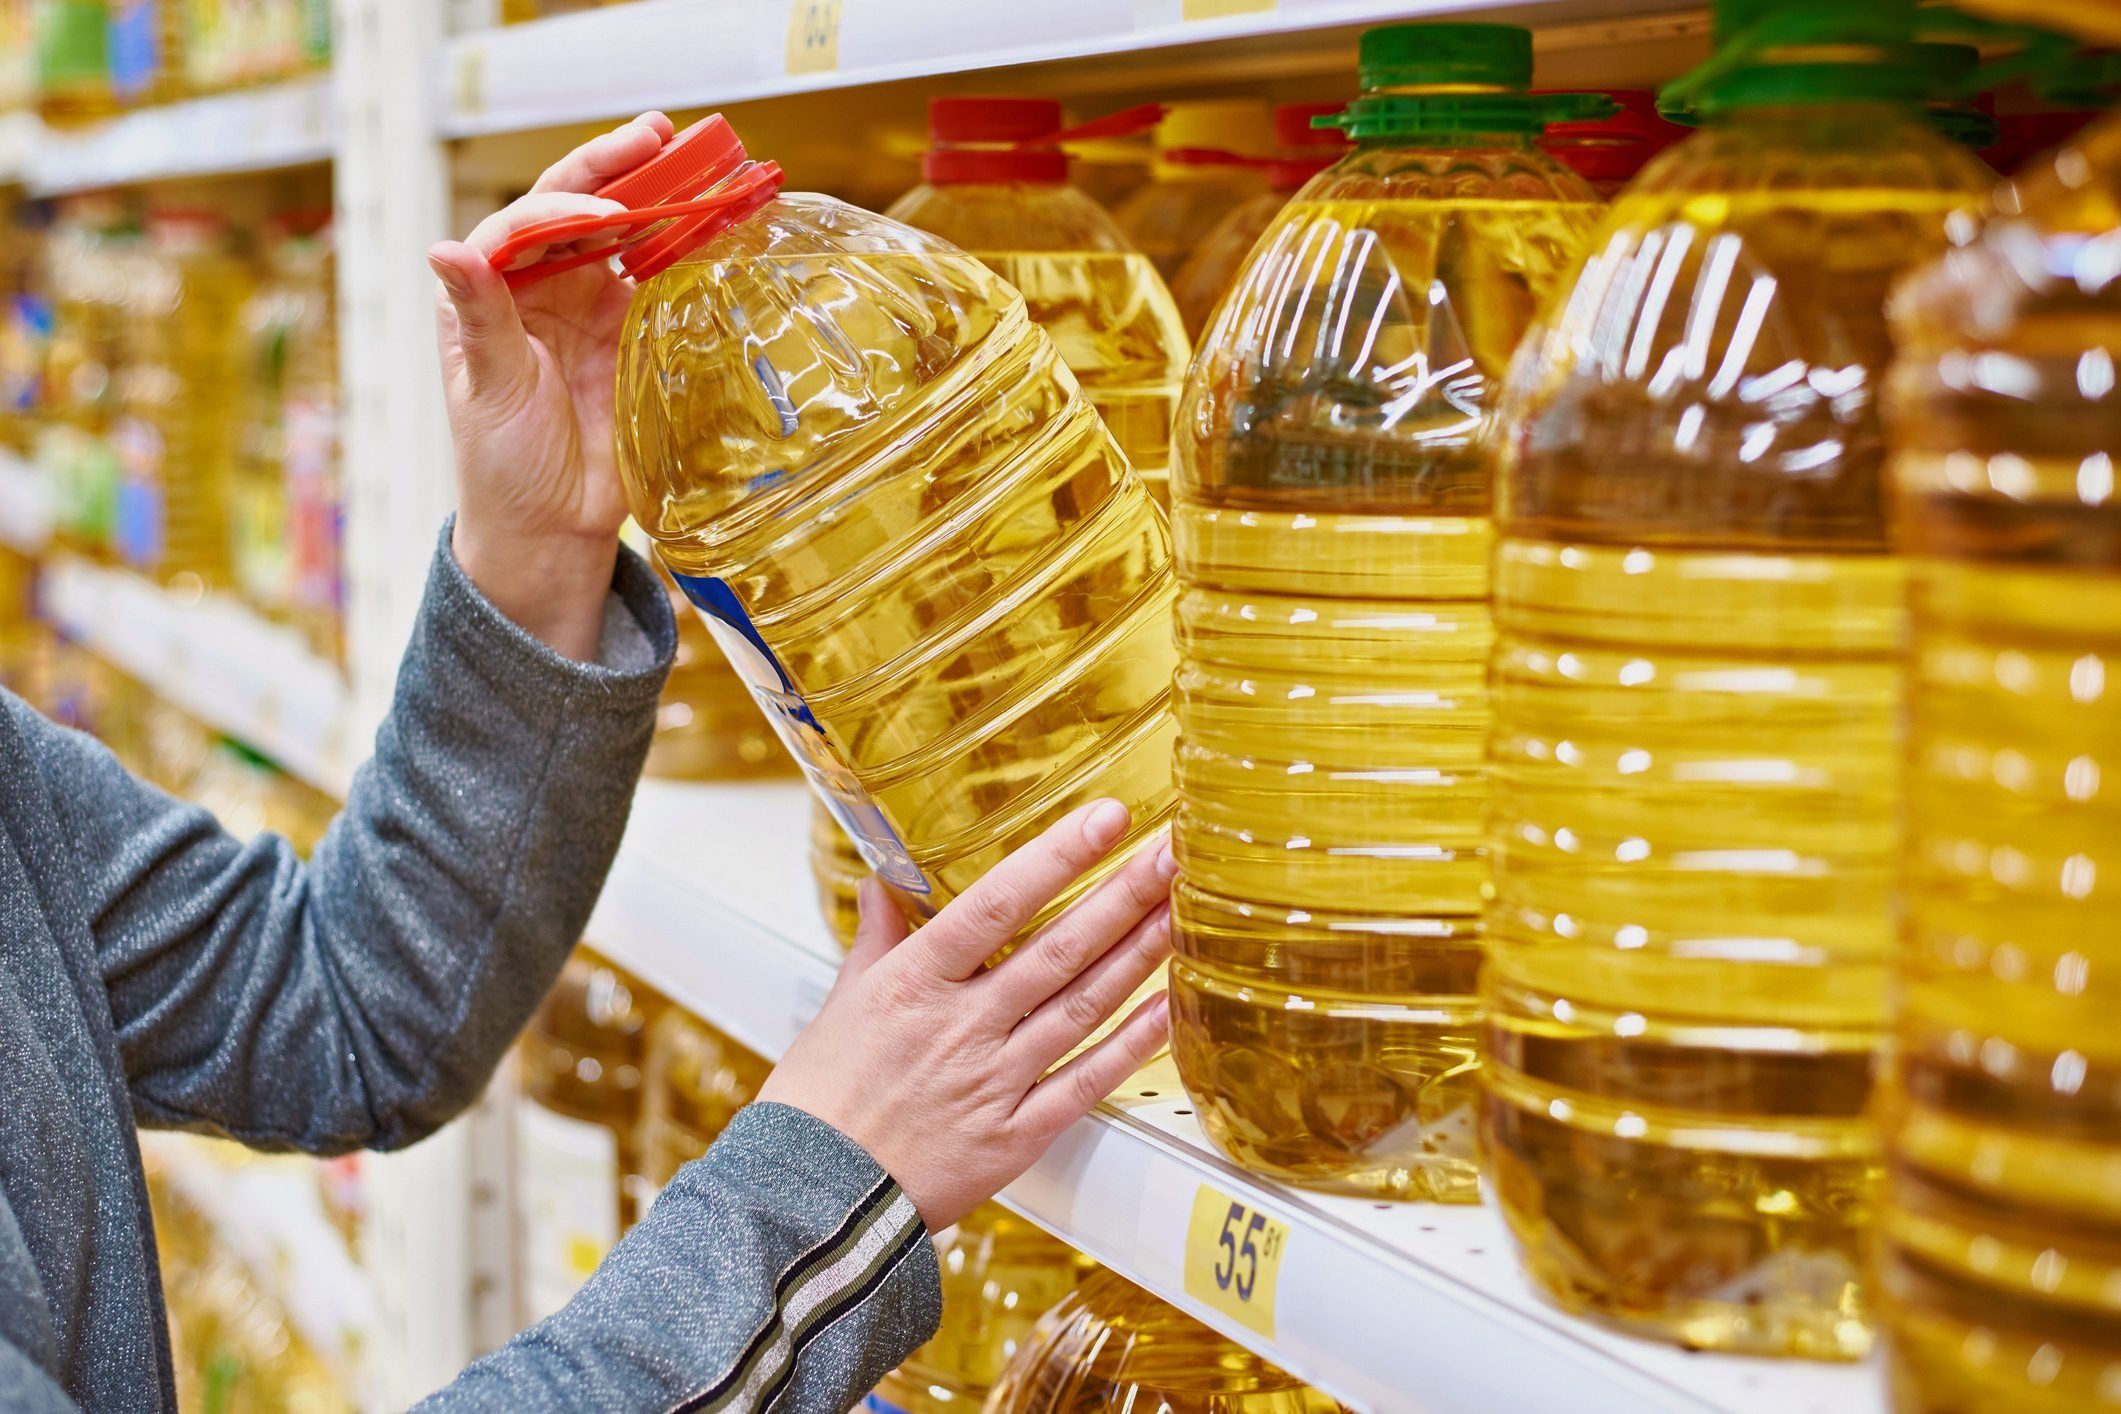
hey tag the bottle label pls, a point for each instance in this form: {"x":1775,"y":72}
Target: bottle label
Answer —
{"x":799,"y":729}
{"x":138,"y":523}
{"x":567,"y":1176}
{"x":135,"y":47}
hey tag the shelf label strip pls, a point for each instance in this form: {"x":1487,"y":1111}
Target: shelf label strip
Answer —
{"x":814,"y":36}
{"x":1233,"y":1258}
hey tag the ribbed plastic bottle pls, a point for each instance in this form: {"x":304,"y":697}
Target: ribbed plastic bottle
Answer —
{"x":1696,"y":681}
{"x":1331,"y":520}
{"x":1188,"y":191}
{"x":1000,"y":1274}
{"x":2001,"y":1272}
{"x":73,"y":61}
{"x":694,"y":1079}
{"x":1109,"y":1347}
{"x":839,"y":869}
{"x":874,"y":476}
{"x":995,"y":184}
{"x":577,"y":1127}
{"x":1607,"y":152}
{"x":1301,"y":152}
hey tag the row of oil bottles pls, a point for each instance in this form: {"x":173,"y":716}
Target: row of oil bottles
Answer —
{"x":80,"y":60}
{"x":173,"y":380}
{"x":620,"y":1088}
{"x":260,"y":1254}
{"x":1572,"y":604}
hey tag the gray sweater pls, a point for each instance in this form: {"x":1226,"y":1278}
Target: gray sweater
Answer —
{"x":155,"y":970}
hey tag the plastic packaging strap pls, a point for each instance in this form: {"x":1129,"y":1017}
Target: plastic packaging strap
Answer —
{"x":740,"y":186}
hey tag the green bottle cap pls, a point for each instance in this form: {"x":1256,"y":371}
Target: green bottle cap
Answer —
{"x":1952,"y":69}
{"x":1428,"y":56}
{"x":1437,"y":85}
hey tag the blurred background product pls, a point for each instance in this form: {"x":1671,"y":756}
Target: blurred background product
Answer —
{"x":693,"y":1081}
{"x":1331,"y":524}
{"x":1189,"y":191}
{"x":837,"y":865}
{"x":1607,"y":152}
{"x":996,"y":184}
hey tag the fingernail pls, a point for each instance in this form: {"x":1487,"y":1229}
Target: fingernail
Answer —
{"x":1166,"y":861}
{"x":1102,"y":827}
{"x":451,"y":279}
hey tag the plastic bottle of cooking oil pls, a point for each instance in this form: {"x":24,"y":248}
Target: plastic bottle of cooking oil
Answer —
{"x":93,"y":252}
{"x":1331,"y":521}
{"x":176,"y":433}
{"x":1189,"y":189}
{"x":839,"y":870}
{"x":311,"y":479}
{"x":576,"y":1128}
{"x":872,"y":474}
{"x":1607,"y":152}
{"x":2000,"y":1271}
{"x":1694,"y":772}
{"x":694,"y":1080}
{"x":146,"y":50}
{"x":1301,"y":153}
{"x":1109,"y":1347}
{"x":991,"y":187}
{"x":1000,"y":1274}
{"x":73,"y":60}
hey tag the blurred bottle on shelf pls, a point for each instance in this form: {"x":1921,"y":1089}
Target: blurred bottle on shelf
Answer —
{"x":1696,"y":683}
{"x":707,"y":727}
{"x":234,"y":43}
{"x":2000,"y":1268}
{"x":94,"y":246}
{"x":1108,"y":1347}
{"x":839,"y":869}
{"x":1000,"y":1275}
{"x":146,"y":51}
{"x":996,"y":184}
{"x":1189,"y":191}
{"x":577,"y":1126}
{"x":1607,"y":152}
{"x":694,"y":1080}
{"x":1301,"y":152}
{"x":175,"y":434}
{"x":926,"y":555}
{"x":18,"y":55}
{"x":73,"y":61}
{"x":25,"y":324}
{"x":1331,"y":523}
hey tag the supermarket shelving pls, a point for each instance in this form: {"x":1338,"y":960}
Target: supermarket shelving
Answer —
{"x":283,"y":125}
{"x":693,"y":53}
{"x":1388,"y":1306}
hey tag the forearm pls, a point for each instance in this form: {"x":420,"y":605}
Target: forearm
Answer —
{"x":785,"y":1270}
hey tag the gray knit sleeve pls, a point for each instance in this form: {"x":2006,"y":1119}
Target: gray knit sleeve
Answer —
{"x":783,"y":1271}
{"x":364,"y":998}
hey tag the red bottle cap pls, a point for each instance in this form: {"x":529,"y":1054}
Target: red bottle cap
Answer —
{"x":1012,"y":139}
{"x":698,"y":186}
{"x":1616,"y":148}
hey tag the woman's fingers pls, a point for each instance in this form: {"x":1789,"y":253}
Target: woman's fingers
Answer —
{"x":488,"y":235}
{"x":610,"y":155}
{"x":883,"y":928}
{"x":1066,"y":1019}
{"x":988,"y":916}
{"x":1047,"y":963}
{"x":1081,"y":1085}
{"x":488,"y":338}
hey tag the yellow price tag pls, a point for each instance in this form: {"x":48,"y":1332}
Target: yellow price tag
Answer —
{"x":1233,"y":1258}
{"x":1218,"y":9}
{"x":814,"y":36}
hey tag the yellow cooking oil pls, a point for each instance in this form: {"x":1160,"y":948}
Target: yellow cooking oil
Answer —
{"x":1333,"y":540}
{"x":1110,"y":1347}
{"x":874,"y":476}
{"x":838,"y":868}
{"x":999,"y":1274}
{"x":694,"y":1078}
{"x":1102,"y":302}
{"x":1189,"y":189}
{"x":2001,"y":1272}
{"x":1693,"y":764}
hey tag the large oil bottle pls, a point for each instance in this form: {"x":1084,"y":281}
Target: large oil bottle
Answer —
{"x":2000,"y":1264}
{"x":1331,"y":522}
{"x":1211,"y":266}
{"x":577,"y":1126}
{"x":1188,"y":191}
{"x":1000,"y":1274}
{"x":990,"y":186}
{"x":874,"y":476}
{"x":1109,"y":1347}
{"x":1693,"y":764}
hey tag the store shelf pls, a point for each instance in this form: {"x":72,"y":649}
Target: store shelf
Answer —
{"x":1389,"y":1306}
{"x":241,"y":674}
{"x":284,"y":125}
{"x":695,"y":53}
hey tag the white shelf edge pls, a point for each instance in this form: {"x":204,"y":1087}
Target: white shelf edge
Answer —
{"x":282,"y":125}
{"x":218,"y":659}
{"x":1389,"y":1307}
{"x":697,"y":53}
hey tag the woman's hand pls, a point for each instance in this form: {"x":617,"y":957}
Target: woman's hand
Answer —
{"x":529,"y":376}
{"x":938,"y":1066}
